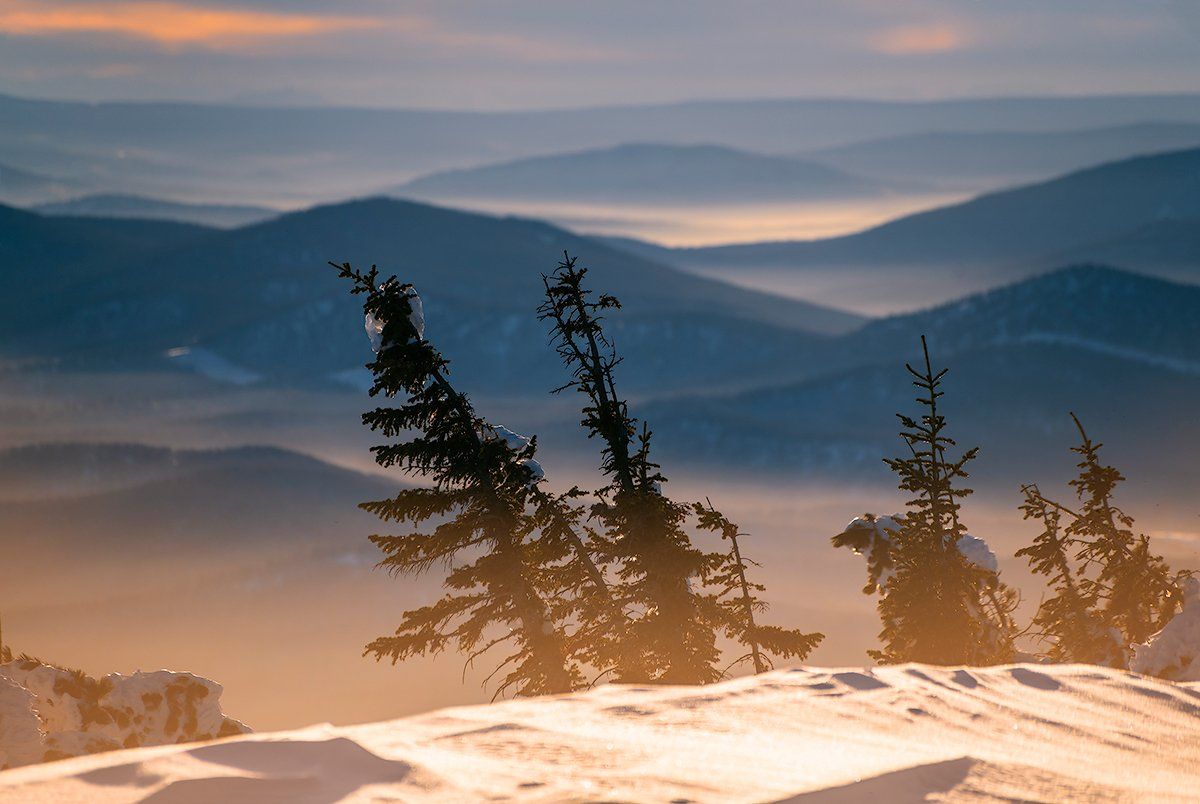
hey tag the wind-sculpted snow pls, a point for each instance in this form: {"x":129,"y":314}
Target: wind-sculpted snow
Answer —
{"x":49,"y":713}
{"x":1174,"y":652}
{"x":897,"y":734}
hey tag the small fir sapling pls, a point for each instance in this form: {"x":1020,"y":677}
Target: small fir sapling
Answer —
{"x":739,"y":602}
{"x":936,"y":604}
{"x":1110,"y":591}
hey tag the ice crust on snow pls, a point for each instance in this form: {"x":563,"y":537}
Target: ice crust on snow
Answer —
{"x":1174,"y":652}
{"x":416,"y":317}
{"x":897,"y":733}
{"x":48,"y":712}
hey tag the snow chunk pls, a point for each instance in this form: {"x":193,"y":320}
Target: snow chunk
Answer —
{"x":866,"y":534}
{"x":870,"y":534}
{"x":416,"y":317}
{"x":517,"y":443}
{"x":374,"y":329}
{"x":1174,"y":652}
{"x":976,"y":551}
{"x":76,"y":714}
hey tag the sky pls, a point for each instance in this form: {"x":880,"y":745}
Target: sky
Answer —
{"x":506,"y":54}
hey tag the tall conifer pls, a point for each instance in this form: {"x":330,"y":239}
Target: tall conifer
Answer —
{"x":481,"y":485}
{"x":659,"y":572}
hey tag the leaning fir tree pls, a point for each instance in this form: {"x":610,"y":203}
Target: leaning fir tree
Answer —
{"x":659,"y":573}
{"x":1067,"y":621}
{"x":1109,"y":590}
{"x":679,"y":597}
{"x":936,"y":606}
{"x":475,"y":510}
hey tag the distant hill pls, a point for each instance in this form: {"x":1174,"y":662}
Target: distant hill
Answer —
{"x":135,"y":206}
{"x":1088,"y":307}
{"x":38,"y":252}
{"x":1168,"y":246}
{"x":26,"y":187}
{"x":648,"y":173}
{"x":1010,"y":226}
{"x":260,"y":302}
{"x":1120,"y":349}
{"x":990,"y":159}
{"x":166,"y":501}
{"x":306,"y":155}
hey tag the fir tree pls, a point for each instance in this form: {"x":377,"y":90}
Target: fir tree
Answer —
{"x":935,"y":605}
{"x":483,"y":482}
{"x":641,"y":533}
{"x":1118,"y":593}
{"x":1139,"y":594}
{"x":739,"y":603}
{"x":1067,"y":620}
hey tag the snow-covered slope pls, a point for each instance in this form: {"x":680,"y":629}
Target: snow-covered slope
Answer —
{"x":897,"y":734}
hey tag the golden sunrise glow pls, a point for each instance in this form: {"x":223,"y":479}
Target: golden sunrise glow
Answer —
{"x":163,"y":22}
{"x":909,"y":40}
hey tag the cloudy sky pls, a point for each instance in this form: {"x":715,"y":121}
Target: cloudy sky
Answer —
{"x":553,"y":53}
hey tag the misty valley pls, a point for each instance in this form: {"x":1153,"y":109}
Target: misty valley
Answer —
{"x":754,"y":300}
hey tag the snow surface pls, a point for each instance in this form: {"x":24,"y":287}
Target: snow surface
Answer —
{"x":897,"y":734}
{"x":1174,"y":652}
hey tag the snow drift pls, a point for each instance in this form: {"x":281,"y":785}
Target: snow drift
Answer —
{"x":903,"y":733}
{"x":1175,"y":650}
{"x":49,"y":713}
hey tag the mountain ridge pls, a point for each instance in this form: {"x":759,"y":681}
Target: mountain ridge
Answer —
{"x":647,"y":172}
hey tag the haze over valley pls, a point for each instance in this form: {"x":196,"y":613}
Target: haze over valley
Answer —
{"x":791,"y":221}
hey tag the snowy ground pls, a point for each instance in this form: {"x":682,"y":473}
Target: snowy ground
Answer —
{"x":908,"y":733}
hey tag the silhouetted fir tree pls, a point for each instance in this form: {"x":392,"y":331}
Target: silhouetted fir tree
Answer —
{"x":937,"y":607}
{"x":672,"y":637}
{"x":499,"y":563}
{"x":1067,"y":621}
{"x":582,"y":594}
{"x":1127,"y":592}
{"x":739,"y":603}
{"x":1139,"y":595}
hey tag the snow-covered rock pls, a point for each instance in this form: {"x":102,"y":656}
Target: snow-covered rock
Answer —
{"x":903,"y":733}
{"x":1174,"y":652}
{"x":22,"y":740}
{"x":75,"y":714}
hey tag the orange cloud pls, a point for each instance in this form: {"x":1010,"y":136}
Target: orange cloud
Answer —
{"x":910,"y":40}
{"x":167,"y":23}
